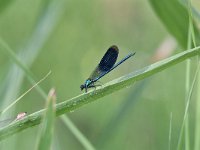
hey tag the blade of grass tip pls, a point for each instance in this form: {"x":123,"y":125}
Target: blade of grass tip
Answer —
{"x":44,"y":27}
{"x":47,"y":126}
{"x":10,"y":52}
{"x":30,"y":77}
{"x":170,"y":131}
{"x":77,"y":133}
{"x":108,"y":88}
{"x":187,"y":107}
{"x":38,"y":88}
{"x":20,"y":97}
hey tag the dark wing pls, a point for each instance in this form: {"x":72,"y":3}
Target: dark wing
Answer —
{"x":109,"y":59}
{"x":106,"y":63}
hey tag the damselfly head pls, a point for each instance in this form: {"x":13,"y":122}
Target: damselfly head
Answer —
{"x":82,"y":86}
{"x":87,"y":84}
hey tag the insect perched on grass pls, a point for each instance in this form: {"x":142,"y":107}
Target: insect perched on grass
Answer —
{"x":106,"y":65}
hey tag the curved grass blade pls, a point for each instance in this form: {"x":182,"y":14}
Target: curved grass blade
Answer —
{"x":111,"y":87}
{"x":175,"y":18}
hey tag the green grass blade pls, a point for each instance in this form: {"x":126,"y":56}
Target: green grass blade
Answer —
{"x":195,"y":12}
{"x":30,"y":76}
{"x":34,"y":45}
{"x":20,"y":97}
{"x":187,"y":107}
{"x":197,"y":120}
{"x":191,"y":39}
{"x":5,"y":47}
{"x":175,"y":18}
{"x":44,"y":26}
{"x":47,"y":126}
{"x":30,"y":51}
{"x":113,"y":86}
{"x":187,"y":80}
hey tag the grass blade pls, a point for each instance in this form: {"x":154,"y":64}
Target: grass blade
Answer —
{"x":175,"y":18}
{"x":47,"y":128}
{"x":187,"y":107}
{"x":113,"y":86}
{"x":197,"y":120}
{"x":18,"y":99}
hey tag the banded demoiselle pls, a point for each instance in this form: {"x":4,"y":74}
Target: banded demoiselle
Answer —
{"x":106,"y":65}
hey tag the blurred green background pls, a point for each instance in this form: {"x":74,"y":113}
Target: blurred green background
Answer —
{"x":69,"y":37}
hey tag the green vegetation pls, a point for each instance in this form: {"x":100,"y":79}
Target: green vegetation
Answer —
{"x":153,"y":105}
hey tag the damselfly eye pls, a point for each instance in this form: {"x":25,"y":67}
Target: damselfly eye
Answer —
{"x":82,"y":87}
